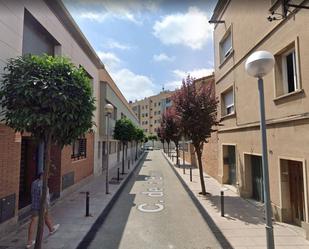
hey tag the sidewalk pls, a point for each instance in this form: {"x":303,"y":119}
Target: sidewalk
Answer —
{"x":243,"y":225}
{"x":69,"y":212}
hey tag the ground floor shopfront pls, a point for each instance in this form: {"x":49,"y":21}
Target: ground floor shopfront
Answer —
{"x":240,"y":165}
{"x":21,"y":159}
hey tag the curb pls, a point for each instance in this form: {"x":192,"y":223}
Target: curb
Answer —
{"x":212,"y":225}
{"x":87,"y":239}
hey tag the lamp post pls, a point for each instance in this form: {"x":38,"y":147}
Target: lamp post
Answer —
{"x":108,"y":111}
{"x":258,"y":65}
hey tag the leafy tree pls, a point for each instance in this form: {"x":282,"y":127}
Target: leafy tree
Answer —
{"x":164,"y":134}
{"x":197,"y":107}
{"x":138,"y":137}
{"x":51,"y":99}
{"x":153,"y":138}
{"x":124,"y":132}
{"x":173,"y":129}
{"x":160,"y":133}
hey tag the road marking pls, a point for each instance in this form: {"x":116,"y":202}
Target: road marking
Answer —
{"x":153,"y":192}
{"x":159,"y":208}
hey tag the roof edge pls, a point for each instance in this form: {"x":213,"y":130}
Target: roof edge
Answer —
{"x":64,"y":16}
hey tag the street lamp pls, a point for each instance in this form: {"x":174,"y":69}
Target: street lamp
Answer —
{"x":108,"y":111}
{"x":258,"y":65}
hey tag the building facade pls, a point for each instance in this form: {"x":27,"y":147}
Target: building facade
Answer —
{"x":149,"y":110}
{"x":39,"y":27}
{"x":286,"y":103}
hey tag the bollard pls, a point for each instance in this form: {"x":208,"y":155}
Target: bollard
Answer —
{"x":190,"y":174}
{"x":118,"y":176}
{"x":222,"y":203}
{"x":129,"y":164}
{"x":184,"y":170}
{"x":87,"y":204}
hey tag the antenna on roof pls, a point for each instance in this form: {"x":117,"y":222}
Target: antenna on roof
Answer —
{"x":163,"y":88}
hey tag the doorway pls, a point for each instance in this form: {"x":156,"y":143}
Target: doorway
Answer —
{"x":257,"y":178}
{"x":229,"y":164}
{"x":28,"y":170}
{"x":296,"y":184}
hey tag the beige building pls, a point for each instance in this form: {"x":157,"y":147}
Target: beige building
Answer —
{"x":241,"y":28}
{"x":149,"y":110}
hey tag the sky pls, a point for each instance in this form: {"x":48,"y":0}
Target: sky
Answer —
{"x":146,"y":45}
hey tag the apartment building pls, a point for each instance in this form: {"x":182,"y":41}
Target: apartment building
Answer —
{"x":39,"y":27}
{"x":149,"y":110}
{"x":241,"y":28}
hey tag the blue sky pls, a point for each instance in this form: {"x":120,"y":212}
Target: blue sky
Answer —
{"x":148,"y":44}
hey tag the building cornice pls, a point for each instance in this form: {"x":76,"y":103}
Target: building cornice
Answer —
{"x":269,"y":122}
{"x":61,"y":12}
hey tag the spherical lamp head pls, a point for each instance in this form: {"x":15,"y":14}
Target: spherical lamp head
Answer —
{"x":109,"y":108}
{"x":259,"y":64}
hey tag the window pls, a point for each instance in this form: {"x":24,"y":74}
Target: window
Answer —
{"x":289,"y":72}
{"x":225,"y":46}
{"x":146,"y":114}
{"x":79,"y":149}
{"x":155,"y":104}
{"x":159,"y":103}
{"x":146,"y":106}
{"x":155,"y":113}
{"x":228,"y":102}
{"x":286,"y":71}
{"x":159,"y":112}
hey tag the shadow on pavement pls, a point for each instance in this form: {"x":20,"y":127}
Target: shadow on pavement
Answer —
{"x":244,"y":211}
{"x":113,"y":234}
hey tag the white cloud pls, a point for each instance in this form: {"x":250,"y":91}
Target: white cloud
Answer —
{"x":111,"y":44}
{"x":179,"y":75}
{"x":133,"y":86}
{"x":129,"y":10}
{"x":110,"y":60}
{"x":190,"y":29}
{"x":162,"y":57}
{"x":196,"y":73}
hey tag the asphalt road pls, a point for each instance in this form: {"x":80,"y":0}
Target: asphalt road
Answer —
{"x":154,"y":211}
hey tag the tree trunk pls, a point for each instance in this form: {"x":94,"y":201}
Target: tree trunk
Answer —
{"x":163,"y":146}
{"x":39,"y":235}
{"x":200,"y":166}
{"x":168,"y":149}
{"x":123,"y":145}
{"x":136,"y":150}
{"x":177,"y":153}
{"x":152,"y":143}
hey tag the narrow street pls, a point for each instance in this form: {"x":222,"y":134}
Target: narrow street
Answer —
{"x":154,"y":211}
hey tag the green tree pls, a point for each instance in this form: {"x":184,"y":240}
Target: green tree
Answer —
{"x":51,"y":99}
{"x":124,"y":132}
{"x":138,"y":137}
{"x":197,"y":107}
{"x":152,"y":138}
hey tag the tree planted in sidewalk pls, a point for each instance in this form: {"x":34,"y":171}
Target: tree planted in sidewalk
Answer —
{"x":152,"y":138}
{"x":163,"y":133}
{"x":173,"y":128}
{"x":197,"y":107}
{"x":124,"y":131}
{"x":138,"y":137}
{"x":51,"y":99}
{"x":160,"y":133}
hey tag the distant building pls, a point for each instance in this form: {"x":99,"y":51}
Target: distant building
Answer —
{"x":149,"y":110}
{"x":241,"y":28}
